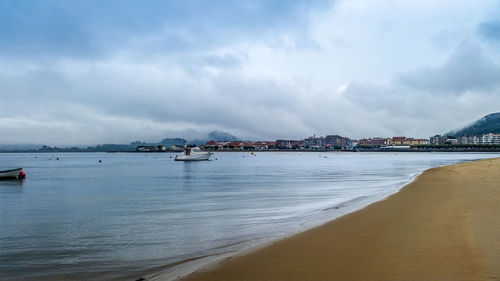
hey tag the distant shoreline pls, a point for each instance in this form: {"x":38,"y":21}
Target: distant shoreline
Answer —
{"x":429,"y":149}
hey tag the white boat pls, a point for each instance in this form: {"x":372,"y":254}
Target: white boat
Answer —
{"x":193,"y":154}
{"x":11,"y":174}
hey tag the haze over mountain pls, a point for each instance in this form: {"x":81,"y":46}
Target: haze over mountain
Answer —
{"x":487,"y":124}
{"x":222,"y":136}
{"x":215,"y":136}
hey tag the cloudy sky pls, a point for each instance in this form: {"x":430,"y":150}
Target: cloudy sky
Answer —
{"x":115,"y":71}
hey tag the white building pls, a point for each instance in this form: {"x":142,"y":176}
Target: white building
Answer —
{"x":437,"y":140}
{"x":491,"y":139}
{"x":470,"y":140}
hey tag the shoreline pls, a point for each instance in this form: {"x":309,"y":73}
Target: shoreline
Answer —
{"x":492,"y":149}
{"x":232,"y":266}
{"x":168,"y":272}
{"x":179,"y":271}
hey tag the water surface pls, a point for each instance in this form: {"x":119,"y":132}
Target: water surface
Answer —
{"x":79,"y":219}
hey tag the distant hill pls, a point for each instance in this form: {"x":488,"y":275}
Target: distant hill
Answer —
{"x":19,"y":147}
{"x":488,"y":124}
{"x":215,"y":136}
{"x":221,"y":136}
{"x":173,"y":141}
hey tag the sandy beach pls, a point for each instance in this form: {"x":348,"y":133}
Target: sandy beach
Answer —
{"x":443,"y":226}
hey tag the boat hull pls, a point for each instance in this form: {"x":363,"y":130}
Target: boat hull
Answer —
{"x":10,"y":174}
{"x":197,"y":157}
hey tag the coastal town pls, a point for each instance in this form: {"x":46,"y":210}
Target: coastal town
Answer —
{"x":485,"y":142}
{"x":490,"y":141}
{"x":336,"y":142}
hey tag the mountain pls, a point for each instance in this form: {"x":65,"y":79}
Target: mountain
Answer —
{"x":221,"y":136}
{"x":215,"y":136}
{"x":488,"y":124}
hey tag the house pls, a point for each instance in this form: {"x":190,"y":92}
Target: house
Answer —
{"x":406,"y":141}
{"x":397,"y":141}
{"x":151,"y":148}
{"x":412,"y":141}
{"x":289,"y":144}
{"x":236,"y":145}
{"x":374,"y":141}
{"x":261,"y":145}
{"x":452,"y":141}
{"x":470,"y":140}
{"x":336,"y":141}
{"x":314,"y":142}
{"x":438,"y":140}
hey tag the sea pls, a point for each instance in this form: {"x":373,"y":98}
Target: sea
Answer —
{"x":123,"y":216}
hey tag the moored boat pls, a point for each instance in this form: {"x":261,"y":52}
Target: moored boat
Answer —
{"x":12,"y":174}
{"x":193,"y":154}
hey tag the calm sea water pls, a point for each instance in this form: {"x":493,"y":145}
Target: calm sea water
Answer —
{"x":78,"y":219}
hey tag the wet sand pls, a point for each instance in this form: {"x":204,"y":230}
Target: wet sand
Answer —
{"x":443,"y":226}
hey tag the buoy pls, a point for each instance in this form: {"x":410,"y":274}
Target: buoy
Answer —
{"x":57,"y":158}
{"x":22,"y":175}
{"x":100,"y":161}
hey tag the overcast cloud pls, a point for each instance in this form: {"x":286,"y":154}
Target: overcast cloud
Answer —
{"x":89,"y":72}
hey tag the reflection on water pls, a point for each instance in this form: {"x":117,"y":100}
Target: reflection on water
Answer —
{"x":187,"y":168}
{"x":11,"y":185}
{"x":80,"y":219}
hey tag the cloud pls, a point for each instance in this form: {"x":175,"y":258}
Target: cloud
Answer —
{"x":467,"y":69}
{"x":95,"y":29}
{"x":99,"y":72}
{"x":223,"y":60}
{"x":464,"y":87}
{"x":490,"y":30}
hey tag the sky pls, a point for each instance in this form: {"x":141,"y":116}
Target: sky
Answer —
{"x":114,"y":71}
